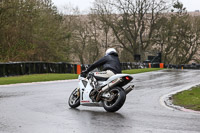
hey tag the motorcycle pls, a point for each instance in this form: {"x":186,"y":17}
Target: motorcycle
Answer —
{"x":111,"y":96}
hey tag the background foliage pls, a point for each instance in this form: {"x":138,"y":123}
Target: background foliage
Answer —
{"x":34,"y":30}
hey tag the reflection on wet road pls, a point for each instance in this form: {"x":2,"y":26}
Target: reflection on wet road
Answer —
{"x":42,"y":107}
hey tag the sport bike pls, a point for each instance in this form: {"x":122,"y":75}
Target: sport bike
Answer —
{"x":111,"y":94}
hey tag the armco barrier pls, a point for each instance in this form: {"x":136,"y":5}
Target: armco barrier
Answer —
{"x":24,"y":68}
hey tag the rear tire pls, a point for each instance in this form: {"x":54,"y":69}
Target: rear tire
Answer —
{"x":74,"y":99}
{"x":117,"y":102}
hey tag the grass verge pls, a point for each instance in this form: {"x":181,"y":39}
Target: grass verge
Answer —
{"x":52,"y":77}
{"x":189,"y":99}
{"x":135,"y":71}
{"x":36,"y":78}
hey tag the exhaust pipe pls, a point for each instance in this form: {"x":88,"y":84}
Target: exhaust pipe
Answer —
{"x":129,"y":89}
{"x":107,"y":87}
{"x":112,"y":84}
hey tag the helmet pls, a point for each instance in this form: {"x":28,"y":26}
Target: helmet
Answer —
{"x":110,"y":50}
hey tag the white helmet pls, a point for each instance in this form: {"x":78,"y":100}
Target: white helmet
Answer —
{"x":110,"y":50}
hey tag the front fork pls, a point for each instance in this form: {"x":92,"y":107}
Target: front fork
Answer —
{"x":78,"y":92}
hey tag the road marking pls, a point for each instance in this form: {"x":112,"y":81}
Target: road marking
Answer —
{"x":44,"y":82}
{"x":164,"y":100}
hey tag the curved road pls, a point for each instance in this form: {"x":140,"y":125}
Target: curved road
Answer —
{"x":43,"y":108}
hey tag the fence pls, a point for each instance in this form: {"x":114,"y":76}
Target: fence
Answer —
{"x":184,"y":66}
{"x":24,"y":68}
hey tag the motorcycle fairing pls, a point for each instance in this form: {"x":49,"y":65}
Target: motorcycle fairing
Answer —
{"x":86,"y":89}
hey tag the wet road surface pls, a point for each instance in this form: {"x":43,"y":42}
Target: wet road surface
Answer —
{"x":43,"y":108}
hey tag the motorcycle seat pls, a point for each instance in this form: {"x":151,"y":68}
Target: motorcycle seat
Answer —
{"x":100,"y":78}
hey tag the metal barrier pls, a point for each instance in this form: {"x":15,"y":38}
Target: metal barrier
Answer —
{"x":24,"y":68}
{"x":183,"y":66}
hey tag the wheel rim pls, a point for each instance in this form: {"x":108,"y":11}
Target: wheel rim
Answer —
{"x":116,"y":95}
{"x":74,"y":97}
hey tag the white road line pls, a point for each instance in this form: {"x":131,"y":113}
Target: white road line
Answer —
{"x":165,"y":98}
{"x":44,"y":82}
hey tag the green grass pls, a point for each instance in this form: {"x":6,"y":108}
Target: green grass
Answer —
{"x":135,"y":71}
{"x":189,"y":99}
{"x":52,"y":77}
{"x":36,"y":78}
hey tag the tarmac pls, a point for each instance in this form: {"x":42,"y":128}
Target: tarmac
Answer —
{"x":43,"y":107}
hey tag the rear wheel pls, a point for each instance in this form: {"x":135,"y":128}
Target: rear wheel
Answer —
{"x":116,"y":100}
{"x":74,"y":99}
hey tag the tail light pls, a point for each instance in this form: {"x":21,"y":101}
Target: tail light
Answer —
{"x":127,"y":78}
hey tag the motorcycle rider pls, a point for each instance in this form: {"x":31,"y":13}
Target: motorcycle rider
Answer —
{"x":111,"y":66}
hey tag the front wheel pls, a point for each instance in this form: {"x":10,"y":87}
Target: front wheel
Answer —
{"x":74,"y":99}
{"x":116,"y":100}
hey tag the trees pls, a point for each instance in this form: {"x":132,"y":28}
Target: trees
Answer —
{"x":33,"y":30}
{"x":84,"y":41}
{"x":132,"y":22}
{"x":143,"y":26}
{"x":178,"y":36}
{"x":30,"y":30}
{"x":48,"y":37}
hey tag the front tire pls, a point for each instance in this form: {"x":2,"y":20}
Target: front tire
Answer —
{"x":74,"y":99}
{"x":119,"y":97}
